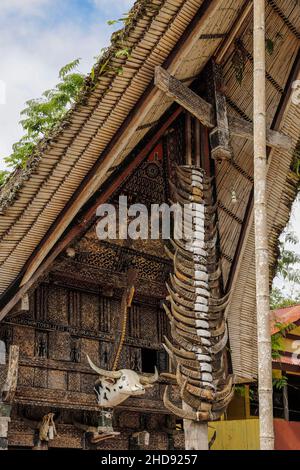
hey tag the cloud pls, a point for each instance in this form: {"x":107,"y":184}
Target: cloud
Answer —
{"x":24,"y":7}
{"x":35,"y":45}
{"x":106,"y":6}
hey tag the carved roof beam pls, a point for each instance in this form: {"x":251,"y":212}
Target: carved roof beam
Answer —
{"x":223,"y":126}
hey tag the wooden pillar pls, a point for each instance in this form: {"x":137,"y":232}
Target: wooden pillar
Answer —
{"x":4,"y":422}
{"x":261,"y":233}
{"x":195,"y":433}
{"x":247,"y":402}
{"x":285,"y":398}
{"x":188,"y":139}
{"x":197,"y":143}
{"x":219,"y":137}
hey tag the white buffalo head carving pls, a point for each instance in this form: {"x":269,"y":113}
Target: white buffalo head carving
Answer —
{"x":114,"y":387}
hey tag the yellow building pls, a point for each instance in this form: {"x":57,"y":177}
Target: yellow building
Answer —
{"x":239,"y":428}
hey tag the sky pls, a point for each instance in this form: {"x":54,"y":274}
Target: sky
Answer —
{"x":37,"y":38}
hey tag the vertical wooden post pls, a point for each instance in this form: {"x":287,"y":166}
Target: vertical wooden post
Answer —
{"x":261,"y":234}
{"x":4,"y":422}
{"x":188,"y":137}
{"x":247,"y":402}
{"x":195,"y":433}
{"x":197,"y":144}
{"x":219,"y":137}
{"x":285,"y":399}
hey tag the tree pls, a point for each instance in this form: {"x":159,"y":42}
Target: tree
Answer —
{"x":288,"y":271}
{"x":41,"y":115}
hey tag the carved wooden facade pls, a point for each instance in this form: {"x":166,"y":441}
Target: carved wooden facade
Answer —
{"x":74,"y":311}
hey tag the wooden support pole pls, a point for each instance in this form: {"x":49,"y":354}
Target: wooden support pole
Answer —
{"x":261,"y":233}
{"x":195,"y":433}
{"x":188,"y":139}
{"x":285,"y":399}
{"x":4,"y":422}
{"x":197,"y":143}
{"x":219,"y":137}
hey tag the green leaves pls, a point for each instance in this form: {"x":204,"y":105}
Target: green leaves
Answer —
{"x":112,"y":22}
{"x":3,"y":176}
{"x":68,"y":68}
{"x":41,"y":115}
{"x":287,"y":268}
{"x":123,"y":52}
{"x":279,"y":383}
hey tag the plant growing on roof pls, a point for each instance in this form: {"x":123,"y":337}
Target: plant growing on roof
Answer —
{"x":41,"y":115}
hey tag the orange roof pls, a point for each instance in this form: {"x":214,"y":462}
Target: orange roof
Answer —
{"x":284,"y":315}
{"x":291,"y":360}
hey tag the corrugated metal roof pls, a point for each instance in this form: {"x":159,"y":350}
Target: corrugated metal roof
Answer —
{"x":286,"y":315}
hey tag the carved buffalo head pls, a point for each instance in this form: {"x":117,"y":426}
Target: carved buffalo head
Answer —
{"x":114,"y":387}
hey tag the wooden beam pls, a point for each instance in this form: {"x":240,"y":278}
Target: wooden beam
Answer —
{"x":285,"y":399}
{"x":184,"y":96}
{"x":203,"y":111}
{"x":219,"y":137}
{"x":238,"y":127}
{"x":197,"y":143}
{"x":188,"y":139}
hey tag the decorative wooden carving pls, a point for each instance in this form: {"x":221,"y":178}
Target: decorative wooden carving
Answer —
{"x":75,"y":350}
{"x":41,"y":344}
{"x":74,"y":306}
{"x":135,"y":359}
{"x":135,"y":318}
{"x":41,"y":302}
{"x":105,"y":354}
{"x":105,"y":314}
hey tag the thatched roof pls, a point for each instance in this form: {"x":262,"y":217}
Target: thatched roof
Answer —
{"x":115,"y":112}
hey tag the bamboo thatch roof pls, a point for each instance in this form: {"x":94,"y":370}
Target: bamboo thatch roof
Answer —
{"x":115,"y":112}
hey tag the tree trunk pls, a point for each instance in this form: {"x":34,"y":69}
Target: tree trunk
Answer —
{"x":261,"y":234}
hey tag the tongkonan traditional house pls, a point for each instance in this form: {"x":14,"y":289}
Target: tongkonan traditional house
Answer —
{"x":143,"y":126}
